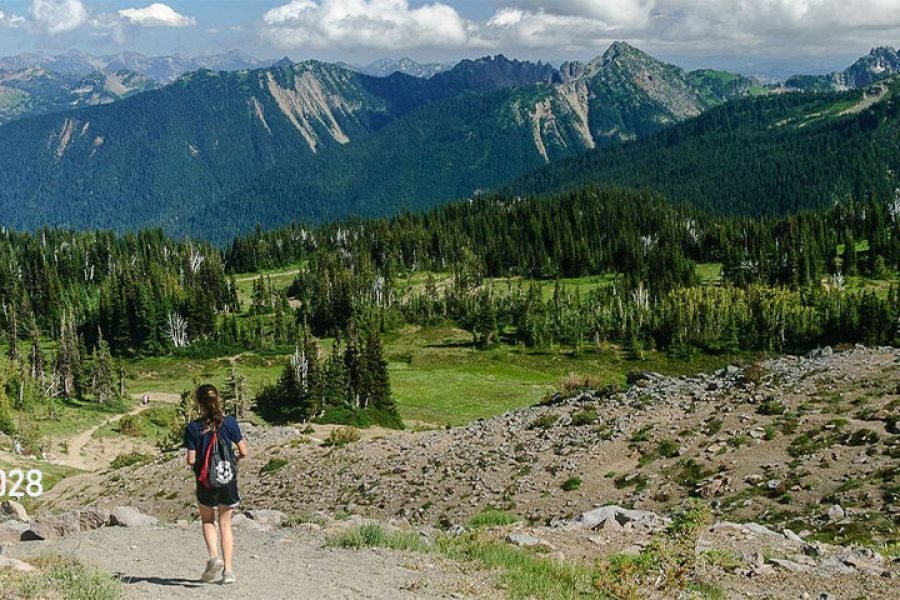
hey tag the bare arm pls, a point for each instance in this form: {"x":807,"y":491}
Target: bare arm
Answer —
{"x":191,"y":457}
{"x":243,"y":449}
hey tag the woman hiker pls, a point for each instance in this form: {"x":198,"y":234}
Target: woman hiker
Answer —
{"x":198,"y":436}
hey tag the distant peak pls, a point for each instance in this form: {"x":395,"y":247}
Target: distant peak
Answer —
{"x":284,"y":62}
{"x":621,"y":49}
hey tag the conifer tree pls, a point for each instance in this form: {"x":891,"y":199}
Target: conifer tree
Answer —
{"x":378,"y":379}
{"x":103,"y":383}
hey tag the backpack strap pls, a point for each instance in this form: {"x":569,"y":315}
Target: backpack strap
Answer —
{"x":203,"y":478}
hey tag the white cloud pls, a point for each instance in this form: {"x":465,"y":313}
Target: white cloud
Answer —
{"x":377,"y":24}
{"x":611,"y":13}
{"x":585,"y":25}
{"x":156,"y":15}
{"x":57,"y":16}
{"x":11,"y":20}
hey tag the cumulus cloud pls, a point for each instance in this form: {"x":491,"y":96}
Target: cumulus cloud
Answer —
{"x":378,"y":24}
{"x":57,"y":16}
{"x":11,"y":20}
{"x":569,"y":25}
{"x":156,"y":15}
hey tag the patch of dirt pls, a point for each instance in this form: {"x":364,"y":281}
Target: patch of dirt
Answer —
{"x":166,"y":562}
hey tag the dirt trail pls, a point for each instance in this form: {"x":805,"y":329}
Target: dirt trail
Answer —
{"x":868,"y":100}
{"x":165,"y":562}
{"x":75,"y":456}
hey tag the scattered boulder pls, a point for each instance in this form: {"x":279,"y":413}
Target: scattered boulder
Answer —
{"x":623,"y":516}
{"x":523,"y":540}
{"x":92,"y":518}
{"x":790,"y":535}
{"x":13,"y":510}
{"x":128,"y":516}
{"x":266,"y":518}
{"x":49,"y":527}
{"x":790,"y":565}
{"x":16,"y":565}
{"x":11,"y":531}
{"x":241,"y":521}
{"x":836,"y":512}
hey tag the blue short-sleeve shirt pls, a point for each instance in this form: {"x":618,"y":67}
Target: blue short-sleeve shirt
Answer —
{"x":197,"y":436}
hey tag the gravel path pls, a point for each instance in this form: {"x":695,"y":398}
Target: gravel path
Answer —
{"x":165,"y":562}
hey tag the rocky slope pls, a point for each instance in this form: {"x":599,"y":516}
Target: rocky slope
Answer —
{"x":795,"y":457}
{"x":805,"y":443}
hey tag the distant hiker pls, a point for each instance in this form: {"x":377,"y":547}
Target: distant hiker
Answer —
{"x":145,"y":400}
{"x":210,"y":442}
{"x":18,"y":446}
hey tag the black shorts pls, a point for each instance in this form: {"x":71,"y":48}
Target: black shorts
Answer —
{"x":222,"y":496}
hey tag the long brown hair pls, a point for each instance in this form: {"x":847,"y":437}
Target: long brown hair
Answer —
{"x":210,"y":404}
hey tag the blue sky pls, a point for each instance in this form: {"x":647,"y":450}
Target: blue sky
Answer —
{"x":747,"y":35}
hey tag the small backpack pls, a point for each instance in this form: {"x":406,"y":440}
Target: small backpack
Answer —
{"x":219,"y":467}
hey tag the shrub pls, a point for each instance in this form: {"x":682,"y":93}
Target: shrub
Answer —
{"x":585,"y":417}
{"x":361,"y":418}
{"x":576,"y":383}
{"x":571,"y":484}
{"x":754,"y":372}
{"x":862,"y":437}
{"x":128,"y":460}
{"x":58,"y":577}
{"x":667,"y":449}
{"x":642,"y":434}
{"x":373,"y":535}
{"x":492,"y":518}
{"x":274,"y":464}
{"x":544,"y":421}
{"x":770,"y":406}
{"x":130,"y":425}
{"x":342,"y":436}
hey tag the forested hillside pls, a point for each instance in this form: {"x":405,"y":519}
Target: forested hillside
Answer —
{"x":35,"y":91}
{"x":216,"y":153}
{"x":756,"y":156}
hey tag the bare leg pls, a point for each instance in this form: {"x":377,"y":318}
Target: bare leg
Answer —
{"x":208,"y":518}
{"x":227,"y":539}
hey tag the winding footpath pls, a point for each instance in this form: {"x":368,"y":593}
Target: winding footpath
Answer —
{"x":75,"y":454}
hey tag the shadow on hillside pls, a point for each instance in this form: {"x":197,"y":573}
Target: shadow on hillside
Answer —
{"x":163,"y":581}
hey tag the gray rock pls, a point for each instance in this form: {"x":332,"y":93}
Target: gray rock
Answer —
{"x":11,"y":531}
{"x":792,"y":536}
{"x":595,"y":517}
{"x":242,"y":521}
{"x":51,"y":527}
{"x":789,"y":565}
{"x":13,"y":510}
{"x":15,"y":565}
{"x":266,"y":518}
{"x":523,"y":540}
{"x":759,"y":529}
{"x":92,"y":518}
{"x":128,"y":516}
{"x":836,"y":512}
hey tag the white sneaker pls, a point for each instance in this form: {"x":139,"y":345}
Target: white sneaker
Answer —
{"x":228,"y":577}
{"x":213,"y":566}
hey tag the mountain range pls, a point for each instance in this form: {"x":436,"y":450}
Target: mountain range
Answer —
{"x":879,"y":64}
{"x":217,"y":152}
{"x":162,"y":69}
{"x":35,"y":90}
{"x":388,"y":66}
{"x":760,"y":156}
{"x":317,"y":141}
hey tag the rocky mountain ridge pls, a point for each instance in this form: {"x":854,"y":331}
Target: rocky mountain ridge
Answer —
{"x":35,"y":90}
{"x":879,"y":64}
